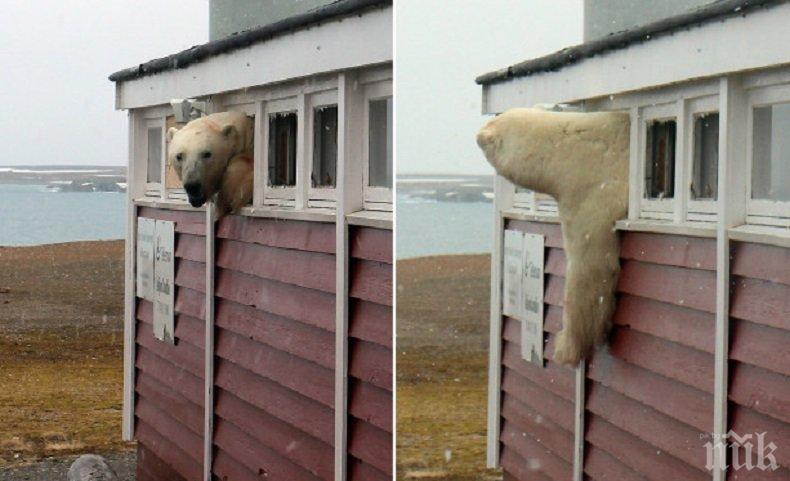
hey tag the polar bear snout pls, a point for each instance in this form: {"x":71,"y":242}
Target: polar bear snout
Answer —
{"x":488,"y":141}
{"x":195,"y":193}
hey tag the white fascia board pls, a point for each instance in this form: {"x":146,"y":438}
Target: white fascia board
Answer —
{"x":757,"y":40}
{"x":351,"y":42}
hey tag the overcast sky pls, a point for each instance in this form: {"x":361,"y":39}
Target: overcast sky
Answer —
{"x":441,"y":47}
{"x":56,"y":104}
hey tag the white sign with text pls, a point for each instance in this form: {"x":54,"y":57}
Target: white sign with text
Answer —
{"x":532,"y":260}
{"x":145,"y":258}
{"x":164,"y":282}
{"x":512,"y":274}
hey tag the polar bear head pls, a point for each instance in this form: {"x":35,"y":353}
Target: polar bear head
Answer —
{"x":549,"y":151}
{"x":199,"y":152}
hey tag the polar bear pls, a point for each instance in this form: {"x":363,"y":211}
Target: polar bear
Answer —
{"x":214,"y":155}
{"x":580,"y":159}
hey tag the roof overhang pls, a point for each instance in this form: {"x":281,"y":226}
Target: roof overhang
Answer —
{"x":338,"y":44}
{"x":733,"y":44}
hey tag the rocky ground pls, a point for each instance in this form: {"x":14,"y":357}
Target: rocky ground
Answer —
{"x":442,"y":331}
{"x":61,"y":357}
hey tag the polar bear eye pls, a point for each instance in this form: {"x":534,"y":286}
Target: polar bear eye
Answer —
{"x":179,"y":157}
{"x":206,"y":155}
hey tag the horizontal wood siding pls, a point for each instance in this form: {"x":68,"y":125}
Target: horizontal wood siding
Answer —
{"x":274,"y":364}
{"x":370,"y":355}
{"x":169,"y":379}
{"x":759,"y":346}
{"x":649,"y":395}
{"x":537,"y":413}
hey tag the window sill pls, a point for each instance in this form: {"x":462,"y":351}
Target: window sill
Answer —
{"x":760,"y":234}
{"x":526,"y":215}
{"x":290,"y":213}
{"x":171,"y":204}
{"x":371,"y":218}
{"x":692,"y":229}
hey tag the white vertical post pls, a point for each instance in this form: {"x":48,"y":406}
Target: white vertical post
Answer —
{"x":504,"y":193}
{"x":578,"y":423}
{"x":302,"y":165}
{"x":731,"y":212}
{"x":135,"y":187}
{"x":349,"y":200}
{"x":682,"y":139}
{"x":634,"y":171}
{"x":208,"y":399}
{"x":261,"y":122}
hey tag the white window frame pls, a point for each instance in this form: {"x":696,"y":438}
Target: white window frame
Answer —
{"x":155,"y":189}
{"x":375,"y":198}
{"x":697,"y":210}
{"x":760,"y":211}
{"x":660,"y":209}
{"x":318,"y":196}
{"x":273,"y":195}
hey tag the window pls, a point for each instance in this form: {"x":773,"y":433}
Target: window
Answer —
{"x":380,"y":143}
{"x":705,"y":166}
{"x":154,"y":169}
{"x":282,"y":149}
{"x":324,"y":147}
{"x":771,"y":153}
{"x":660,"y":159}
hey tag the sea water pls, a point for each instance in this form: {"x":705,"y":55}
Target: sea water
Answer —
{"x":426,"y":227}
{"x":32,"y":215}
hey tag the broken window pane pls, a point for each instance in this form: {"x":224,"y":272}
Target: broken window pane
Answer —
{"x":704,"y":175}
{"x":324,"y":146}
{"x":380,"y":148}
{"x":282,"y":149}
{"x":660,"y":160}
{"x":771,"y":153}
{"x":154,"y":155}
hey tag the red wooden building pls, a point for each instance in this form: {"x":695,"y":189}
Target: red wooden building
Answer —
{"x":701,"y":333}
{"x":281,"y":366}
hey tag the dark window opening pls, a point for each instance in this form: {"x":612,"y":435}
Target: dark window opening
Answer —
{"x":282,"y":149}
{"x":660,"y":160}
{"x":380,"y":143}
{"x":705,"y":169}
{"x":324,"y":147}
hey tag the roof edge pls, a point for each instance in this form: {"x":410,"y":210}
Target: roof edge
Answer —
{"x":577,"y":53}
{"x":246,"y":38}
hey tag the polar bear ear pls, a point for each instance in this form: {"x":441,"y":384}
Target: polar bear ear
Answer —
{"x":229,"y":131}
{"x":170,"y":133}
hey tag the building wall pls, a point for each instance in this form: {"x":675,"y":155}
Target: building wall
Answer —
{"x":602,"y":17}
{"x":230,"y":16}
{"x":649,"y":395}
{"x":370,"y":355}
{"x":274,"y":363}
{"x":169,"y":383}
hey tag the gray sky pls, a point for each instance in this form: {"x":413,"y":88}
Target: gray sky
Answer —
{"x":57,"y":104}
{"x":441,"y":47}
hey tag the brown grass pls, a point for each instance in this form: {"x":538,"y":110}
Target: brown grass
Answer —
{"x":442,"y":368}
{"x":61,"y":350}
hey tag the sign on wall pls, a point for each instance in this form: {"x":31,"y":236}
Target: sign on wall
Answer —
{"x":145,"y":258}
{"x":164,"y":282}
{"x":512,"y":274}
{"x":522,"y":289}
{"x":532,"y":256}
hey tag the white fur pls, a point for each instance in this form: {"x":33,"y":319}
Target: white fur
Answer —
{"x":580,"y":159}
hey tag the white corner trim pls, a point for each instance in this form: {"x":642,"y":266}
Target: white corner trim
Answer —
{"x":130,"y":325}
{"x":208,"y":399}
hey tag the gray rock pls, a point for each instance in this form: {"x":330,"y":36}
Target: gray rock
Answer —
{"x":90,"y":467}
